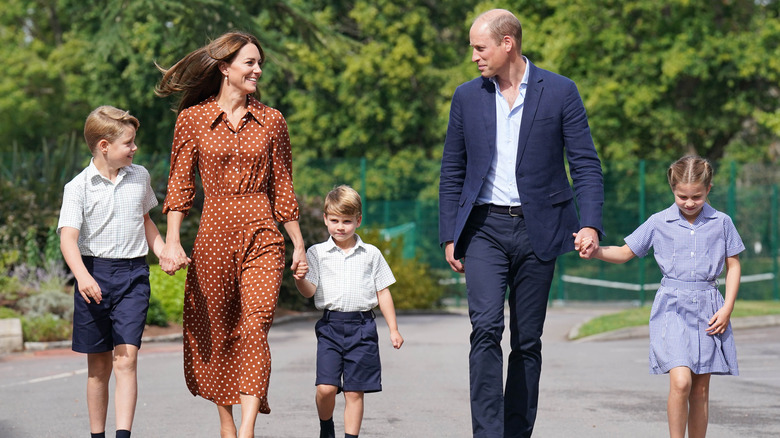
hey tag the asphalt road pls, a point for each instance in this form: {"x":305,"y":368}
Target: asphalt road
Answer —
{"x":589,"y":389}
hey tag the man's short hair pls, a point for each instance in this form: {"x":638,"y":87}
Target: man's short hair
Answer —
{"x":500,"y":23}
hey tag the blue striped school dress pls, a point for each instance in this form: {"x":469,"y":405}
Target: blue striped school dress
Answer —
{"x":691,"y":257}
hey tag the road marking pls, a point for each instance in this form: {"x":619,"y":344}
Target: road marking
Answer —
{"x":47,"y":378}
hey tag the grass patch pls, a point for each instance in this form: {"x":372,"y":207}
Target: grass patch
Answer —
{"x":614,"y":321}
{"x":641,"y":315}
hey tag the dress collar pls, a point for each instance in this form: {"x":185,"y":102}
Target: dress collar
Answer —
{"x":214,"y":113}
{"x":673,"y":213}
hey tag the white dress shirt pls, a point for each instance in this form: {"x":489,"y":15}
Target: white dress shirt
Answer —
{"x":500,"y":186}
{"x":347,"y":281}
{"x":109,"y":215}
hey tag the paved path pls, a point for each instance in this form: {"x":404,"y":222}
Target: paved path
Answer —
{"x":589,"y":389}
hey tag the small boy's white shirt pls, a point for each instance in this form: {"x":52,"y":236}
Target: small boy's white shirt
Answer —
{"x":109,"y":215}
{"x":347,"y":281}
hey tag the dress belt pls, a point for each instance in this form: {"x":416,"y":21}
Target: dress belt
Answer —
{"x":511,"y":210}
{"x":688,"y":285}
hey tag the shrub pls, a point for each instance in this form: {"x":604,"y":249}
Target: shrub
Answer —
{"x":44,"y":303}
{"x":169,"y":292}
{"x":416,"y":286}
{"x":9,"y":290}
{"x":46,"y":328}
{"x":40,"y":297}
{"x":5,"y":313}
{"x":43,"y":290}
{"x":156,"y":314}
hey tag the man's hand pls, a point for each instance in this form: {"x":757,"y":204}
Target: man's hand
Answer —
{"x":449,"y":255}
{"x":586,"y":242}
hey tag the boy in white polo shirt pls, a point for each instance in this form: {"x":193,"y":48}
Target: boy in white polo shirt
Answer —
{"x":105,"y":234}
{"x":347,"y":278}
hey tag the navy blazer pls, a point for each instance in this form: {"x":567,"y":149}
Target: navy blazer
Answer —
{"x":553,"y":123}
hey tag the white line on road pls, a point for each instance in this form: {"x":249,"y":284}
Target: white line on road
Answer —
{"x":46,"y":379}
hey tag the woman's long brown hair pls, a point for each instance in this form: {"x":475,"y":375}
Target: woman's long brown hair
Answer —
{"x":197,"y":76}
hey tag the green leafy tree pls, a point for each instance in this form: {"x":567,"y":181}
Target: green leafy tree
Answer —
{"x":379,"y":89}
{"x":64,"y":57}
{"x":661,"y":79}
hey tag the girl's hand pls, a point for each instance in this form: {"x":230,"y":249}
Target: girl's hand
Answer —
{"x":582,"y":245}
{"x":719,"y":321}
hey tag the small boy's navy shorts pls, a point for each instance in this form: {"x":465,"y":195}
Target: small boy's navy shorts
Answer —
{"x":348,"y":351}
{"x":121,"y":315}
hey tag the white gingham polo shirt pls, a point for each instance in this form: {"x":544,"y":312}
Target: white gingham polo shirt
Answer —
{"x":109,"y":215}
{"x":347,"y":281}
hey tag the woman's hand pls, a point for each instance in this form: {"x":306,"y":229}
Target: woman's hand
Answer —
{"x":172,"y":258}
{"x":299,"y":265}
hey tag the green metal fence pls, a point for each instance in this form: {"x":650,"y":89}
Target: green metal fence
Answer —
{"x":400,"y":200}
{"x":748,"y":192}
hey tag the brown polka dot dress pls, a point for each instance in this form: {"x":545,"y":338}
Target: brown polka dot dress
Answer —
{"x":238,"y":257}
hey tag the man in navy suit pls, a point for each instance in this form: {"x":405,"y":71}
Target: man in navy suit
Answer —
{"x":507,"y":210}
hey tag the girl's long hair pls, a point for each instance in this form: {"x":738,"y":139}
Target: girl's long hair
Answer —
{"x":690,"y":169}
{"x":197,"y":76}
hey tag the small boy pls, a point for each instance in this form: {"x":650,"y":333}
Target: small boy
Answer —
{"x":347,"y":278}
{"x":105,"y":233}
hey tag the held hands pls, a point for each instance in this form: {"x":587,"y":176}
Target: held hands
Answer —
{"x":586,"y":242}
{"x":172,"y":258}
{"x":299,"y":273}
{"x":719,"y":321}
{"x":299,"y":265}
{"x":583,"y":246}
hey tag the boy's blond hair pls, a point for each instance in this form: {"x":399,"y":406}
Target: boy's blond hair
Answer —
{"x":107,"y":123}
{"x":343,"y":200}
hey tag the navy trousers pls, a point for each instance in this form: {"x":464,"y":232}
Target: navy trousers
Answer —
{"x":498,"y":256}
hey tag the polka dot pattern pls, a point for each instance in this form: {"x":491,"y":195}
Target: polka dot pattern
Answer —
{"x":238,"y":257}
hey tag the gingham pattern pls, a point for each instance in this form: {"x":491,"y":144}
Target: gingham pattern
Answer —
{"x":109,"y":215}
{"x":347,"y":281}
{"x":691,"y":257}
{"x":685,"y":251}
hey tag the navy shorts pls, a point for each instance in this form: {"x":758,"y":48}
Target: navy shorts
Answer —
{"x":348,"y":351}
{"x":121,"y":315}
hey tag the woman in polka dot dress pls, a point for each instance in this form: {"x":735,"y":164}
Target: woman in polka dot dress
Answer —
{"x":241,"y":149}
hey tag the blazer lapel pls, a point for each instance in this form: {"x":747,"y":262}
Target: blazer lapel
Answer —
{"x":488,"y":105}
{"x":531,"y":103}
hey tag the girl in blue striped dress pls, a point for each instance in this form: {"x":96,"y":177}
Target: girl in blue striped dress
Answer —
{"x":690,"y":332}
